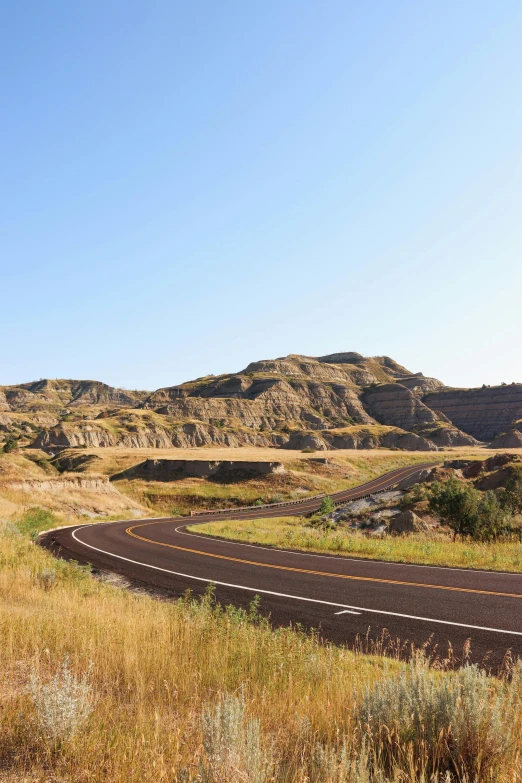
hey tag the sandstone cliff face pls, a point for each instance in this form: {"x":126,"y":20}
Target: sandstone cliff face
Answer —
{"x":420,"y":385}
{"x":395,"y":405}
{"x":359,"y":438}
{"x":5,"y":422}
{"x":274,"y":393}
{"x":188,"y":435}
{"x":444,"y":436}
{"x":68,"y":483}
{"x":88,"y":434}
{"x":483,"y":413}
{"x":219,"y":470}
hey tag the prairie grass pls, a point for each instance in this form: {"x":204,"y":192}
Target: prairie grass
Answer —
{"x":425,"y":549}
{"x":101,"y":684}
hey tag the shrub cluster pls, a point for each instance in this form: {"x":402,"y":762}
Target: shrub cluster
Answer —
{"x":483,"y":516}
{"x":457,"y":725}
{"x":419,"y":726}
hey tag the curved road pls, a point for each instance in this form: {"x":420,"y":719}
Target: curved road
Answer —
{"x":344,"y":597}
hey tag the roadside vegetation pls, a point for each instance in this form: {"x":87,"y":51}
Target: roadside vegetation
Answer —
{"x":474,"y":529}
{"x":475,"y":515}
{"x":296,"y":533}
{"x":103,"y":684}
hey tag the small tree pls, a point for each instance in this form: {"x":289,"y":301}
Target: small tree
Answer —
{"x":10,"y":445}
{"x":327,"y":506}
{"x":457,"y":506}
{"x":468,"y":512}
{"x":492,"y":518}
{"x":511,"y":498}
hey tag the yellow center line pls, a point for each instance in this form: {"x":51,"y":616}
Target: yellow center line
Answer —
{"x":130,"y":532}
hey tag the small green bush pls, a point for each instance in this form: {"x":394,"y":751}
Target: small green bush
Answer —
{"x":415,"y":495}
{"x":327,"y":506}
{"x":10,"y":445}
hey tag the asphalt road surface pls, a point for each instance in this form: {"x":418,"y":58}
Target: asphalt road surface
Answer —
{"x":345,"y":598}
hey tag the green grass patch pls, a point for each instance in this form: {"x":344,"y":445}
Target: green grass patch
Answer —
{"x":37,"y":519}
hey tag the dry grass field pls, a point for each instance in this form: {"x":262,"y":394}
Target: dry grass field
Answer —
{"x":102,"y":684}
{"x":28,"y":478}
{"x":114,"y":460}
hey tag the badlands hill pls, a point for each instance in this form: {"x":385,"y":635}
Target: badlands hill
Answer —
{"x":342,"y":400}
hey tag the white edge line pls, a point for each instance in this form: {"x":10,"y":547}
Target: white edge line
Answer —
{"x":294,"y":597}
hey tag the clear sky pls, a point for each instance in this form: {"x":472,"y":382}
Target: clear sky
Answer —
{"x":191,"y":186}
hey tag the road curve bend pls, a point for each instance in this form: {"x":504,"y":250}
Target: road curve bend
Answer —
{"x":345,"y":597}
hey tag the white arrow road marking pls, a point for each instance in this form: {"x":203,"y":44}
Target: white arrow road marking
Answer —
{"x":286,"y":595}
{"x":347,"y":611}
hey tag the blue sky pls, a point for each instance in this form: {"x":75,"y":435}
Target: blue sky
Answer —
{"x":188,"y":187}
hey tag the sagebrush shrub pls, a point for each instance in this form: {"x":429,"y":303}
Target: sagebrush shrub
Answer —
{"x":63,"y":704}
{"x":456,"y":724}
{"x":47,"y":578}
{"x":330,"y":765}
{"x":232,"y":743}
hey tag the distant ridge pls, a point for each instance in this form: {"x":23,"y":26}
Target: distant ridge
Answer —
{"x":340,"y":400}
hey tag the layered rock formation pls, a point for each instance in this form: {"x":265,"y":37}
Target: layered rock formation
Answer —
{"x":68,"y":483}
{"x":342,"y":400}
{"x":396,"y":405}
{"x":508,"y":440}
{"x":483,"y":413}
{"x":61,"y":394}
{"x":334,"y":401}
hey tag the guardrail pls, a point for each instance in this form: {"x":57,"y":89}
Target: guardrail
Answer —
{"x":362,"y":497}
{"x":285,"y":503}
{"x":249,"y":508}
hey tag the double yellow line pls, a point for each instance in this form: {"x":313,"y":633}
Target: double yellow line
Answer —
{"x":130,"y":532}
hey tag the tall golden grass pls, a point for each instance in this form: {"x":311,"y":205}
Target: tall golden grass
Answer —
{"x":186,"y":691}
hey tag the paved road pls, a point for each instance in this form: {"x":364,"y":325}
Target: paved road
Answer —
{"x":344,"y":597}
